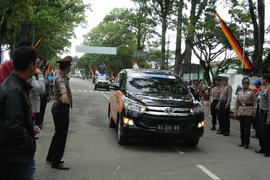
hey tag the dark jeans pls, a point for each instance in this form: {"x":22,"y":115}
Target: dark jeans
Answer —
{"x":224,"y":119}
{"x":60,"y":114}
{"x":214,"y":112}
{"x":245,"y":125}
{"x":15,"y":171}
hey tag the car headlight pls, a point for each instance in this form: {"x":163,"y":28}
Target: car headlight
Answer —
{"x":198,"y":108}
{"x":133,"y":106}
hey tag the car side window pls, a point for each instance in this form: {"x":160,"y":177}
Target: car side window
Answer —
{"x":122,"y":80}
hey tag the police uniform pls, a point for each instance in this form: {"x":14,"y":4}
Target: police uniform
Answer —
{"x":224,"y":112}
{"x":245,"y":108}
{"x":215,"y":95}
{"x":263,"y":128}
{"x":60,"y":112}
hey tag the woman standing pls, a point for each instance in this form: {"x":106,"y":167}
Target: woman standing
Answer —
{"x":245,"y":111}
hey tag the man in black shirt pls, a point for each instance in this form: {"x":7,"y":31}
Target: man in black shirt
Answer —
{"x":17,"y":139}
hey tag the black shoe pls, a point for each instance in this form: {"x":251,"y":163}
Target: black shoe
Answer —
{"x":219,"y":132}
{"x":59,"y":166}
{"x":260,"y":151}
{"x":226,"y":134}
{"x":246,"y":147}
{"x":50,"y":161}
{"x":213,"y":128}
{"x":241,"y":145}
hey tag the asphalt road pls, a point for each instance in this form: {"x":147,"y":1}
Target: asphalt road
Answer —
{"x":92,"y":152}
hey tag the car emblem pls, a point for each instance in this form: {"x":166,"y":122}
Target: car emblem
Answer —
{"x":169,"y":110}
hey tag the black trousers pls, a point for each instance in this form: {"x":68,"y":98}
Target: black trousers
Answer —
{"x":60,"y":114}
{"x":214,"y":112}
{"x":264,"y":132}
{"x":245,"y":125}
{"x":37,"y":120}
{"x":43,"y":105}
{"x":224,"y":119}
{"x":15,"y":171}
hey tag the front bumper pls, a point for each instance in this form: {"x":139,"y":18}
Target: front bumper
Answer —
{"x":148,"y":124}
{"x":105,"y":86}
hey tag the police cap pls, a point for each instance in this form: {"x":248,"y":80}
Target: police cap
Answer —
{"x":65,"y":60}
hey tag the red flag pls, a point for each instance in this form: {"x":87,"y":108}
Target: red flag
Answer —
{"x":234,"y":43}
{"x":135,"y":65}
{"x":268,"y":29}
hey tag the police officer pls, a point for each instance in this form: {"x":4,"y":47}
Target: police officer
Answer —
{"x":264,"y":121}
{"x":60,"y":112}
{"x":245,"y":111}
{"x":214,"y":98}
{"x":223,"y":107}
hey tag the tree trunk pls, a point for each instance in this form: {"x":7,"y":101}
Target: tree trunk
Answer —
{"x":261,"y":14}
{"x":178,"y":59}
{"x":163,"y":43}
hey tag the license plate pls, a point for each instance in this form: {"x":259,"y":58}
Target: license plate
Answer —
{"x":168,"y":128}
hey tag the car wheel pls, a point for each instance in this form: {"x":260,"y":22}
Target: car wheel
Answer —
{"x":121,"y":138}
{"x":192,"y":142}
{"x":112,"y":124}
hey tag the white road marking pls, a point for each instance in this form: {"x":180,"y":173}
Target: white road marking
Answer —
{"x":104,"y":95}
{"x":85,"y":91}
{"x":207,"y":172}
{"x":178,"y":150}
{"x":79,"y":90}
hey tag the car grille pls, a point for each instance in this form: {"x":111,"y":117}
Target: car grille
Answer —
{"x":184,"y":122}
{"x":102,"y":83}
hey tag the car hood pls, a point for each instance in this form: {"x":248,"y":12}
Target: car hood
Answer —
{"x":161,"y":99}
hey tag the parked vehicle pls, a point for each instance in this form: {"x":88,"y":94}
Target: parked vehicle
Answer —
{"x":102,"y":82}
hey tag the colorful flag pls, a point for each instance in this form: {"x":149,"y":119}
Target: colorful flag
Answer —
{"x":92,"y":72}
{"x":268,"y":29}
{"x":48,"y":68}
{"x":56,"y":69}
{"x":135,"y":65}
{"x":234,"y":43}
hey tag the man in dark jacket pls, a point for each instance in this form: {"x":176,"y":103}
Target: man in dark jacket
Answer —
{"x":17,"y":139}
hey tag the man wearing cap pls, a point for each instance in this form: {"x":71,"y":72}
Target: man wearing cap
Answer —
{"x":245,"y":111}
{"x":223,"y":107}
{"x":264,"y":121}
{"x":60,"y":112}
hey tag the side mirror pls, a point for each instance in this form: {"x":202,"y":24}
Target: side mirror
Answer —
{"x":115,"y":86}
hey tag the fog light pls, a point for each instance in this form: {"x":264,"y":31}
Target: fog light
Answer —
{"x":143,"y":109}
{"x":128,"y":121}
{"x":201,"y":124}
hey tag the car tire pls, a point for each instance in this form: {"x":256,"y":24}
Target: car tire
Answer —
{"x":192,"y":142}
{"x":95,"y":88}
{"x":121,"y":138}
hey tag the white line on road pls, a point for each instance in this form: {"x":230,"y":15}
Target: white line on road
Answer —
{"x":104,"y":95}
{"x":85,"y":91}
{"x":207,"y":172}
{"x":178,"y":150}
{"x":80,"y":90}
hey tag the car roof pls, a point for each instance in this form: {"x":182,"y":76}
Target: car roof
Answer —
{"x":149,"y":71}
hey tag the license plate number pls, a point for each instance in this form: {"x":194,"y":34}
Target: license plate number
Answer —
{"x":168,"y":128}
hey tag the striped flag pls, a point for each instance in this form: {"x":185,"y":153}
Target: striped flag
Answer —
{"x":48,"y":68}
{"x":234,"y":43}
{"x":268,"y":29}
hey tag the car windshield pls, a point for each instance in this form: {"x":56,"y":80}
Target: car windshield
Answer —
{"x":102,"y":78}
{"x":156,"y":83}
